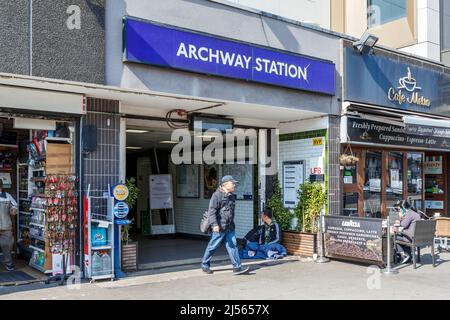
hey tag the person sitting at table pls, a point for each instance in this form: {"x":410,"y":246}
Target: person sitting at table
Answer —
{"x":263,"y":242}
{"x":405,"y":228}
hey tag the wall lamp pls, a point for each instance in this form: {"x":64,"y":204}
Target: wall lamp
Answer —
{"x":366,"y":43}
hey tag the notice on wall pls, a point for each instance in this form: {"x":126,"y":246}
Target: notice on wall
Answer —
{"x":161,"y":191}
{"x":433,"y":165}
{"x":293,"y":176}
{"x":188,"y":181}
{"x":355,"y":238}
{"x":434,"y":205}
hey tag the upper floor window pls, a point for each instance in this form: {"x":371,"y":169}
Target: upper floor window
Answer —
{"x":383,"y":11}
{"x":445,"y":14}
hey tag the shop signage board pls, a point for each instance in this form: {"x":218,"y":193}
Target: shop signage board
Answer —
{"x":161,"y":191}
{"x":354,"y":238}
{"x":377,"y":80}
{"x":167,"y":46}
{"x":414,"y":136}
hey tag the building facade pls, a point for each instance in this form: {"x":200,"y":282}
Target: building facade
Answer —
{"x":417,"y":27}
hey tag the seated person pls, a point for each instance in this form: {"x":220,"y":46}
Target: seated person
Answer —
{"x":263,"y":242}
{"x":405,"y":232}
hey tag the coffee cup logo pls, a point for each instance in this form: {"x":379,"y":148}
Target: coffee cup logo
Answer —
{"x":408,"y":83}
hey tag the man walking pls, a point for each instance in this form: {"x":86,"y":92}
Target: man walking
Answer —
{"x":8,"y":207}
{"x":221,"y":215}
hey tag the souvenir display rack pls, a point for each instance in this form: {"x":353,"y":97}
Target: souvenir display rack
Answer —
{"x":47,"y":201}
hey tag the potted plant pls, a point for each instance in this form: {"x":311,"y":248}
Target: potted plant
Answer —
{"x":312,"y":198}
{"x":129,"y":247}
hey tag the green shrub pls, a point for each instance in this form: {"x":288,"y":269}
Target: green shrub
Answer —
{"x":281,"y":214}
{"x":312,"y":198}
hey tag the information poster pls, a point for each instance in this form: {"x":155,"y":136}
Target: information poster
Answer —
{"x":188,"y":181}
{"x":355,"y":238}
{"x":433,"y":165}
{"x":293,"y":177}
{"x":210,"y":178}
{"x":161,"y":191}
{"x":243,"y":174}
{"x":6,"y":178}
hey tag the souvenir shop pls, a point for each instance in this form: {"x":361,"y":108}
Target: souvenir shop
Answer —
{"x":395,"y":135}
{"x":38,"y":169}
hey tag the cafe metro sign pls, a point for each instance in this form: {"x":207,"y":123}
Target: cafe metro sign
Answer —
{"x":408,"y":91}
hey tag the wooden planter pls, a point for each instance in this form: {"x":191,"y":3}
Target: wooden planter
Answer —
{"x":300,"y":243}
{"x":129,"y":256}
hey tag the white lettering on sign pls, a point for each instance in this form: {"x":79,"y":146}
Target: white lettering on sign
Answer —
{"x":278,"y":68}
{"x":351,"y":223}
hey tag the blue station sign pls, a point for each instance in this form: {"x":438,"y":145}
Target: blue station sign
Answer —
{"x":154,"y":44}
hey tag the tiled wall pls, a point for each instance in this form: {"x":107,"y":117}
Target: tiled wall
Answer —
{"x":300,"y":147}
{"x":101,"y":167}
{"x":188,"y":212}
{"x":334,"y":173}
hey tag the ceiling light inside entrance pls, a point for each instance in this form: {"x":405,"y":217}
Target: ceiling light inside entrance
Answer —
{"x":136,"y":131}
{"x":134,"y":148}
{"x":169,"y":142}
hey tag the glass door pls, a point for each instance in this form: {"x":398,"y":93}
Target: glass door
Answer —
{"x":372,"y":184}
{"x":414,"y":180}
{"x":394,"y":186}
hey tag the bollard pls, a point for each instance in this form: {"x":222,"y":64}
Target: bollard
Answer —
{"x":389,"y":270}
{"x":321,"y":258}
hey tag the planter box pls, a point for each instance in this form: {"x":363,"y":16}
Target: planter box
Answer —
{"x":299,"y":243}
{"x":129,"y":256}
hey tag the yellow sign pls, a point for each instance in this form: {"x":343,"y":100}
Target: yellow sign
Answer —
{"x":317,"y":141}
{"x":120,"y":192}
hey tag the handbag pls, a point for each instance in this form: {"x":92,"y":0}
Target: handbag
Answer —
{"x":204,"y":223}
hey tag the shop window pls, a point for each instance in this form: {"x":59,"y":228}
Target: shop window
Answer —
{"x":351,"y":204}
{"x":394,"y":188}
{"x":372,"y":184}
{"x":414,"y":179}
{"x":384,"y":11}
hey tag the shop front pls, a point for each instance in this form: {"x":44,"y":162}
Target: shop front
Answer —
{"x":395,"y":134}
{"x":280,"y":100}
{"x":39,"y":168}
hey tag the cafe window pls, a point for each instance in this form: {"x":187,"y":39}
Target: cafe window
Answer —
{"x":394,"y":189}
{"x":351,"y":204}
{"x":372,"y":184}
{"x":414,"y":179}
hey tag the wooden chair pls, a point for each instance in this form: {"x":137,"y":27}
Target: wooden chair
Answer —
{"x":424,"y":233}
{"x":443,"y":233}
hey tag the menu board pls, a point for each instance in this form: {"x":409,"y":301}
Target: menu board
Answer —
{"x":354,"y":238}
{"x":293,"y":177}
{"x":188,"y":181}
{"x":243,"y":173}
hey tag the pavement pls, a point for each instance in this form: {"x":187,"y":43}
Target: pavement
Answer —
{"x":291,"y":278}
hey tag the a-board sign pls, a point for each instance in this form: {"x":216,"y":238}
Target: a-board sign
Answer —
{"x":354,"y":238}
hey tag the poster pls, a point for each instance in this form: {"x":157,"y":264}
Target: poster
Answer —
{"x":243,"y":173}
{"x":433,"y":165}
{"x":6,"y":178}
{"x":293,"y":177}
{"x":188,"y":181}
{"x":355,"y":238}
{"x":161,"y":191}
{"x":210,"y":179}
{"x":434,"y":205}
